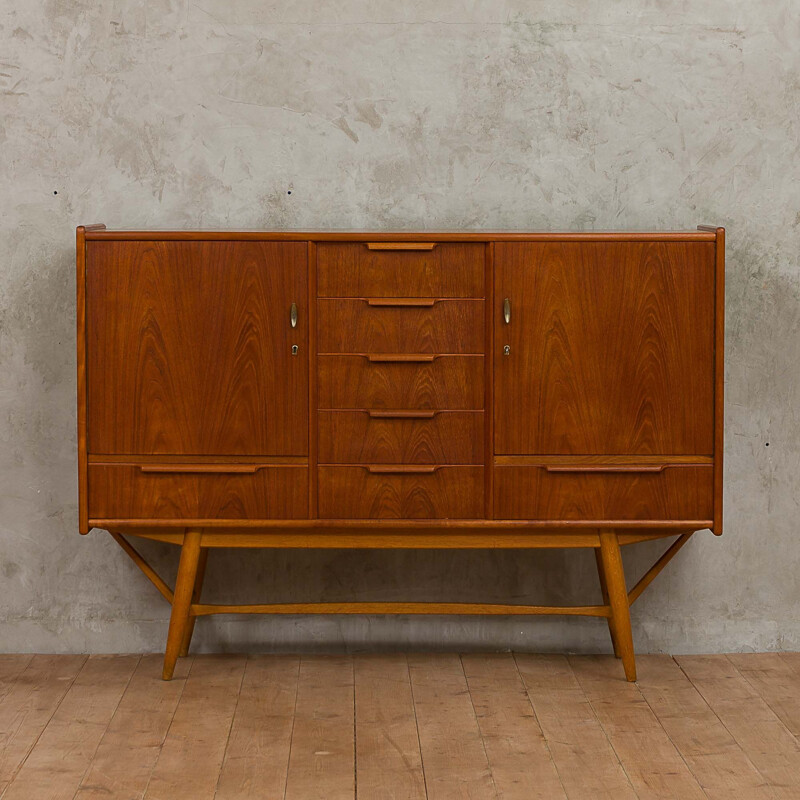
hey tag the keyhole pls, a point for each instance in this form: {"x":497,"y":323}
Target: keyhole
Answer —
{"x":507,"y":350}
{"x":295,"y":349}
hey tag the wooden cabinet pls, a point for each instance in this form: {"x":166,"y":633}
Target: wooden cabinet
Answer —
{"x":189,"y":348}
{"x":610,"y":348}
{"x":400,"y":390}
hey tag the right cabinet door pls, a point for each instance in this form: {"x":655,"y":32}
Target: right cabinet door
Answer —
{"x":604,"y":348}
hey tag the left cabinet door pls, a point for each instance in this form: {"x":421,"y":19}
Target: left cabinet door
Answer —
{"x":190,"y":348}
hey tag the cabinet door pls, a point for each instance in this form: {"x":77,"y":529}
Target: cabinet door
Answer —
{"x":189,"y":348}
{"x":611,"y":348}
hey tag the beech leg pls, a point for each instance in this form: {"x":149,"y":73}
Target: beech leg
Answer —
{"x":184,"y":586}
{"x":198,"y":588}
{"x":611,"y":557}
{"x":604,"y":589}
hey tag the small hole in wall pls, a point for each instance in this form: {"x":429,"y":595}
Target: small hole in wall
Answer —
{"x":766,"y":444}
{"x":289,"y":192}
{"x":55,"y":192}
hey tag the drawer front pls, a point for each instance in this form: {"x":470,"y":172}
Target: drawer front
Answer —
{"x":452,"y":382}
{"x":672,"y":492}
{"x":358,"y":493}
{"x":133,"y":491}
{"x":405,"y":325}
{"x":360,"y":269}
{"x":402,"y":437}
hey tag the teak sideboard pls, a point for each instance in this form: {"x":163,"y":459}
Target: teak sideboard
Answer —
{"x":400,"y":390}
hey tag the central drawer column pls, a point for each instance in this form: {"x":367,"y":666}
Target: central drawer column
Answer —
{"x":400,"y":377}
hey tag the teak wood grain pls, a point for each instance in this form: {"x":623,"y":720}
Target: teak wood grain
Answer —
{"x":361,"y":389}
{"x":446,"y":382}
{"x":401,"y":437}
{"x":190,"y":348}
{"x":597,"y":492}
{"x":353,"y":492}
{"x":611,"y":348}
{"x":352,"y":269}
{"x":362,"y":326}
{"x":267,"y":493}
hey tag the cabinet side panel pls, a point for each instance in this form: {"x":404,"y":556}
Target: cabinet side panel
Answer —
{"x":719,"y":380}
{"x":80,"y":314}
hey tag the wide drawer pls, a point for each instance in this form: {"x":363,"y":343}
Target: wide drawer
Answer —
{"x":387,"y":492}
{"x":390,"y":269}
{"x":197,"y":491}
{"x":400,"y":325}
{"x":647,"y":492}
{"x":378,"y":381}
{"x":400,"y":437}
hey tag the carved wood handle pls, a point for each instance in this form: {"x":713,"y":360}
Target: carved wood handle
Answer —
{"x":414,"y":358}
{"x":388,"y":469}
{"x":402,"y":414}
{"x":607,"y":468}
{"x":247,"y":469}
{"x":401,"y":245}
{"x":401,"y":302}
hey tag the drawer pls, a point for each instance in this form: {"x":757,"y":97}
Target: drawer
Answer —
{"x":594,"y":492}
{"x":400,"y":325}
{"x":197,"y":491}
{"x":376,"y":382}
{"x":400,"y":437}
{"x":392,"y":492}
{"x":365,"y":269}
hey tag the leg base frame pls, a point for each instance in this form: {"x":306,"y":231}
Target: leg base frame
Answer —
{"x":186,"y":605}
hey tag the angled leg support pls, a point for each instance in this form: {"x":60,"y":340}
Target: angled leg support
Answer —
{"x":604,"y":589}
{"x":198,"y":588}
{"x":611,"y":558}
{"x":184,"y":587}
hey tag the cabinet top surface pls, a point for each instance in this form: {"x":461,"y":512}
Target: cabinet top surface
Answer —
{"x":100,"y":233}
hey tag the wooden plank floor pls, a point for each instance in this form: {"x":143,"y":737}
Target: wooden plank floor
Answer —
{"x":400,"y":727}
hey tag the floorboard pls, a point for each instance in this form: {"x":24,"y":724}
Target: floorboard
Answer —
{"x":190,"y":761}
{"x":55,"y":766}
{"x":28,"y":705}
{"x":322,"y":758}
{"x":716,"y":760}
{"x":124,"y":761}
{"x":400,"y":727}
{"x":588,"y":766}
{"x":767,"y":742}
{"x":453,"y":755}
{"x":650,"y":759}
{"x":777,"y":681}
{"x":257,"y":758}
{"x":388,"y":760}
{"x":520,"y":761}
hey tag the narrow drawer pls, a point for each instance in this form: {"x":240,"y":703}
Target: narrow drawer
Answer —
{"x":387,"y":269}
{"x":197,"y":491}
{"x":400,"y":437}
{"x":400,"y":325}
{"x":386,"y":492}
{"x":367,"y":381}
{"x":580,"y":492}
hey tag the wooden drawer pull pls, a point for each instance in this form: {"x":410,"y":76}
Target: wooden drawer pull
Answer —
{"x":219,"y":469}
{"x":402,"y":414}
{"x":380,"y":469}
{"x":401,"y":302}
{"x":609,"y":468}
{"x":401,"y":245}
{"x":414,"y":358}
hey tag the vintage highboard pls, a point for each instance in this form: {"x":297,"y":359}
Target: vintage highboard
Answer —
{"x":400,"y":390}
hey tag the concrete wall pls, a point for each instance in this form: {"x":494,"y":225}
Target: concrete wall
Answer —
{"x":460,"y":113}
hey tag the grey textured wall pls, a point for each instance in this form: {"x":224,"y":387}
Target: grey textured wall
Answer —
{"x":461,"y":113}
